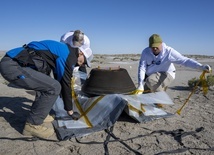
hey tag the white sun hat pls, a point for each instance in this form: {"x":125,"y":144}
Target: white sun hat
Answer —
{"x":87,"y":53}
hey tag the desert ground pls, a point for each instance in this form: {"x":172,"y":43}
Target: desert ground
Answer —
{"x":189,"y":133}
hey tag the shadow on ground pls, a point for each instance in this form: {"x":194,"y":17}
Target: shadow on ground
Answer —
{"x":14,"y":111}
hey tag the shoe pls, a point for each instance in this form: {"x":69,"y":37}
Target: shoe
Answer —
{"x":48,"y":119}
{"x":37,"y":131}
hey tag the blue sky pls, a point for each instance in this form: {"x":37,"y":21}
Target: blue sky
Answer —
{"x":113,"y":26}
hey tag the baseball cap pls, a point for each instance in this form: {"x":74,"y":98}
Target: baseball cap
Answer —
{"x":88,"y":54}
{"x":78,"y":38}
{"x":155,"y":40}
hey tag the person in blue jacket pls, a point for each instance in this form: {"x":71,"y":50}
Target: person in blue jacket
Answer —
{"x":29,"y":67}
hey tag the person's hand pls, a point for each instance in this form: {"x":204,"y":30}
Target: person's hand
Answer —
{"x":139,"y":89}
{"x":207,"y":68}
{"x":70,"y":112}
{"x":76,"y":69}
{"x":74,"y":115}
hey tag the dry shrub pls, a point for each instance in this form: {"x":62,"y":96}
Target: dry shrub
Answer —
{"x":209,"y":80}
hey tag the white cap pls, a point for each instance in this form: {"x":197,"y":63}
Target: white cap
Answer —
{"x":88,"y":54}
{"x":69,"y":36}
{"x":84,"y":45}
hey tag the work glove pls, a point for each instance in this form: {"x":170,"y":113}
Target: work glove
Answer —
{"x":139,"y":89}
{"x":206,"y":68}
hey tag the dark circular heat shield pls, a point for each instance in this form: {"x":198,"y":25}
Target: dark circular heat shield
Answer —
{"x":108,"y":81}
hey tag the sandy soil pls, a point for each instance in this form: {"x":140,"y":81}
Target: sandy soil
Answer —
{"x":191,"y":132}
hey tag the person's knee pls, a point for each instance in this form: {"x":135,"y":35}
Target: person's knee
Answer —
{"x":58,"y":88}
{"x":55,"y":88}
{"x":151,"y":82}
{"x":153,"y":85}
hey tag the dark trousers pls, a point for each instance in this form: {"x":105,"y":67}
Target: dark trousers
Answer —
{"x":47,"y":88}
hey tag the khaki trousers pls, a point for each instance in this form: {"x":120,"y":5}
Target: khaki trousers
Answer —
{"x":158,"y":81}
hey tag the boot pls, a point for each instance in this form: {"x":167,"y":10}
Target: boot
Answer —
{"x":37,"y":131}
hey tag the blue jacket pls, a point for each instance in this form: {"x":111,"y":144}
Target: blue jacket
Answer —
{"x":62,"y":59}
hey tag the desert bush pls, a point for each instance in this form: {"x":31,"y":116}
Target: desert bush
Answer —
{"x":210,"y":80}
{"x":135,"y":59}
{"x":193,"y":82}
